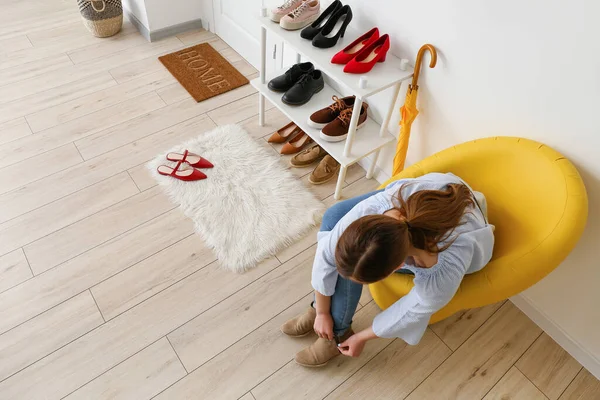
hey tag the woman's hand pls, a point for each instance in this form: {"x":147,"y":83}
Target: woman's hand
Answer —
{"x":353,"y":346}
{"x":324,"y":326}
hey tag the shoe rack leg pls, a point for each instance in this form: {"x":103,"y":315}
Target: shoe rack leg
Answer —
{"x":340,"y":183}
{"x":373,"y":164}
{"x":298,"y":58}
{"x":388,"y":116}
{"x":352,"y":128}
{"x":263,"y":71}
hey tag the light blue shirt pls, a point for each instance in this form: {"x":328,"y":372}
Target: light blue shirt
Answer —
{"x":434,"y":287}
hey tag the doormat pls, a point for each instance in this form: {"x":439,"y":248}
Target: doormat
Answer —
{"x":202,"y":71}
{"x":250,"y":207}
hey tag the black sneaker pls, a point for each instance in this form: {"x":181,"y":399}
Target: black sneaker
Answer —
{"x":291,"y":76}
{"x":304,"y":90}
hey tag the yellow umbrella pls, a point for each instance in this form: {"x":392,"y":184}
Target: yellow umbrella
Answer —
{"x":409,"y":110}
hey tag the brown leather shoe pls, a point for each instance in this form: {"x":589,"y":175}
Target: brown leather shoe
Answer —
{"x":320,"y":118}
{"x":301,"y":325}
{"x":325,"y":171}
{"x":320,"y":352}
{"x":337,"y":130}
{"x":296,"y":144}
{"x":307,"y":157}
{"x":284,"y":133}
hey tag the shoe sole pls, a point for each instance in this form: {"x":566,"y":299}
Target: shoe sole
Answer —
{"x":300,"y":104}
{"x":340,"y":138}
{"x":294,"y":26}
{"x":297,"y":336}
{"x":315,"y":125}
{"x":312,"y":366}
{"x":326,"y":180}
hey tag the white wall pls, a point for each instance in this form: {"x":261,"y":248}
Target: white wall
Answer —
{"x":160,"y":14}
{"x":163,"y":14}
{"x":138,"y":9}
{"x":522,"y":68}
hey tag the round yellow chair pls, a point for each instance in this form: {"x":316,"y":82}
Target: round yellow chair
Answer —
{"x":537,"y":201}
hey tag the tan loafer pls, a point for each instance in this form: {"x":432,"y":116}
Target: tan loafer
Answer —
{"x":320,"y":352}
{"x":284,"y":133}
{"x":296,"y":144}
{"x":325,"y":171}
{"x":301,"y":325}
{"x":307,"y":157}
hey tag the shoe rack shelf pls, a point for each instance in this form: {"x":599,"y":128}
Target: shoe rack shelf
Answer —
{"x":372,"y":136}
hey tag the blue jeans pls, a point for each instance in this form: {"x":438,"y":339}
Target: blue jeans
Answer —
{"x":347,"y":293}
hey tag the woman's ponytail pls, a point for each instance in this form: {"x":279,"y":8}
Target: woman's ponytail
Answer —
{"x":432,"y":215}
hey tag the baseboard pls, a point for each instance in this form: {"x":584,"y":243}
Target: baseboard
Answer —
{"x":137,"y":23}
{"x":574,"y":348}
{"x":175,"y":29}
{"x":158,"y":34}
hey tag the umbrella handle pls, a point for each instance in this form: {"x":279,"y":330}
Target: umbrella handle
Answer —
{"x":432,"y":62}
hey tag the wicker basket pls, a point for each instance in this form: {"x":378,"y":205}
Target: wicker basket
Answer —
{"x":102,"y":17}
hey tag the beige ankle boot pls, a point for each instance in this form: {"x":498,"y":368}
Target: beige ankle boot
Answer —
{"x":320,"y":352}
{"x":302,"y":325}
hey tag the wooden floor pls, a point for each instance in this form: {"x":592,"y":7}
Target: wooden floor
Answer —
{"x":106,"y":293}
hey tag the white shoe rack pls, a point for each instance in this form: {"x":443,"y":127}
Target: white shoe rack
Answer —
{"x":372,"y":136}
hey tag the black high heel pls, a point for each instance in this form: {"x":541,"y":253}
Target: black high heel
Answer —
{"x":313,"y":29}
{"x":327,"y":38}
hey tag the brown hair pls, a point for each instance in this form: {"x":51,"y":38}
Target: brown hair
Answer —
{"x":374,"y":246}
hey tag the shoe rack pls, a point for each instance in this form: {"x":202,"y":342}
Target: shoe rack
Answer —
{"x":372,"y":136}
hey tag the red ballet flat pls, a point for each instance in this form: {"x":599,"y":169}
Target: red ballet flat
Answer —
{"x":193,"y":159}
{"x":354,"y":48}
{"x":369,"y":56}
{"x":190,"y":174}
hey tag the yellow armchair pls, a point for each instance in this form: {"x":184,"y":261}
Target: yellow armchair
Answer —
{"x":537,"y":201}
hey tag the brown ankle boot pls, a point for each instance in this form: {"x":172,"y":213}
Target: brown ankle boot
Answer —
{"x":320,"y":352}
{"x":302,"y":325}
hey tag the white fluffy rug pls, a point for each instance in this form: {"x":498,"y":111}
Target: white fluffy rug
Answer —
{"x":249,"y":207}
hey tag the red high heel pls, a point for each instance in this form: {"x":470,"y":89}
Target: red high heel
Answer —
{"x":354,"y":48}
{"x":366,"y":59}
{"x":193,"y":159}
{"x":191,"y":174}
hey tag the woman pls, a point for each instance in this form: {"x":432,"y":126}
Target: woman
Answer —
{"x":433,"y":227}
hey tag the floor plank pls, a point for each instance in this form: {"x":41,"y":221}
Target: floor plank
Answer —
{"x":472,"y":370}
{"x":105,"y":47}
{"x":53,"y":96}
{"x":85,"y":105}
{"x":213,"y":331}
{"x":296,"y":382}
{"x":79,"y":237}
{"x":14,"y":269}
{"x":15,"y":44}
{"x":237,"y":111}
{"x":239,"y":368}
{"x":88,"y":357}
{"x":23,"y":172}
{"x":274,"y":120}
{"x":58,"y":284}
{"x":142,"y":376}
{"x":13,"y":130}
{"x":33,"y":145}
{"x":514,"y":385}
{"x":143,"y":280}
{"x":548,"y":366}
{"x":33,"y":69}
{"x":40,"y":222}
{"x":396,"y":371}
{"x":47,"y":332}
{"x":456,"y":329}
{"x":585,"y":386}
{"x":145,"y":125}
